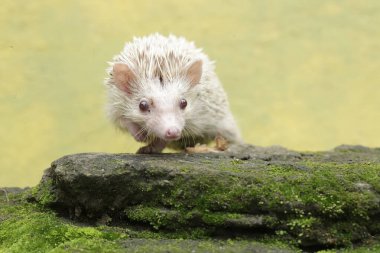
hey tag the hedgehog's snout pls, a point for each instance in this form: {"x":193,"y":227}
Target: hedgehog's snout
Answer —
{"x":173,"y":133}
{"x":166,"y":126}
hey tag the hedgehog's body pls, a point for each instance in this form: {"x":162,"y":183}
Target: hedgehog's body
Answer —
{"x":164,"y":91}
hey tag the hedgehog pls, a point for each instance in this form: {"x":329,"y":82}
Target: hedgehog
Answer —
{"x":163,"y":90}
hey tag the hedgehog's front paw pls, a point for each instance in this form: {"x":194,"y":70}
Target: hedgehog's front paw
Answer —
{"x":147,"y":150}
{"x":153,"y":148}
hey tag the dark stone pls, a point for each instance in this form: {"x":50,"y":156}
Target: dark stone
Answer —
{"x":318,"y":199}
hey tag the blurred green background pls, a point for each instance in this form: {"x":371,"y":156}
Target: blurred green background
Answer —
{"x":302,"y":74}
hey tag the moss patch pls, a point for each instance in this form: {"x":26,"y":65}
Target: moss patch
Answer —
{"x":26,"y":227}
{"x":43,"y":192}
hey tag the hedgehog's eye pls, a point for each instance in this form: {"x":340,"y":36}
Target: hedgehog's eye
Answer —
{"x":144,"y":106}
{"x":182,"y":103}
{"x":161,"y":79}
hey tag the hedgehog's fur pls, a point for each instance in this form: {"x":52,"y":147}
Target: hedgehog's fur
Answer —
{"x":160,"y":66}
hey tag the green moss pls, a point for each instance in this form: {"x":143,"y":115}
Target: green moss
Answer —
{"x":209,"y":246}
{"x":43,"y":192}
{"x":339,"y":209}
{"x":156,"y":217}
{"x":236,"y":161}
{"x":181,"y":234}
{"x":219,"y":219}
{"x":301,"y":223}
{"x":370,"y":246}
{"x":175,"y":220}
{"x":88,"y":246}
{"x":27,"y":228}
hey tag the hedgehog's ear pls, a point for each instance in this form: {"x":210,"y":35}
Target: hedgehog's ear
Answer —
{"x":123,"y":77}
{"x":194,"y":72}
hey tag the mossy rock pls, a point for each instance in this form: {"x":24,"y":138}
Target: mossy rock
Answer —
{"x":309,"y":200}
{"x":32,"y":228}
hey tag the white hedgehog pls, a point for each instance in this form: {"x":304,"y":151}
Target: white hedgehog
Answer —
{"x":164,"y":91}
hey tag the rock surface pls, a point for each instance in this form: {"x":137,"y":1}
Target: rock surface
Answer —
{"x":315,"y":200}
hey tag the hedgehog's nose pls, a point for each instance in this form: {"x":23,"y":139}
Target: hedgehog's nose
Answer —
{"x":173,"y":133}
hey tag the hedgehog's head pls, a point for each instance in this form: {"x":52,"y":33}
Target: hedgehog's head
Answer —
{"x":161,"y":104}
